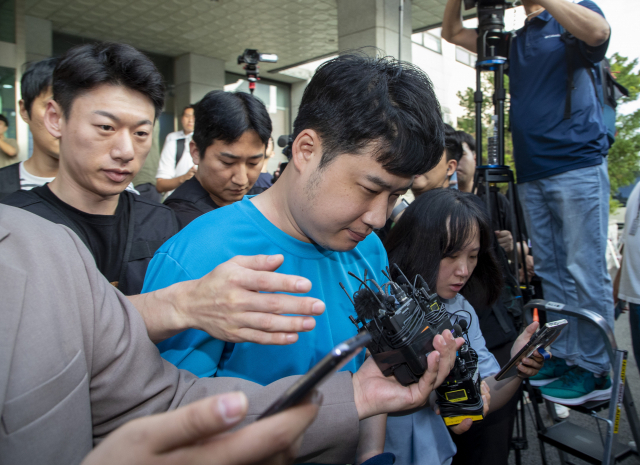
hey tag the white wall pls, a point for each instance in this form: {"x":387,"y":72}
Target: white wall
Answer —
{"x":447,"y":75}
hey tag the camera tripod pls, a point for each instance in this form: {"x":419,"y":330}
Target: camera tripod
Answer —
{"x":493,"y":50}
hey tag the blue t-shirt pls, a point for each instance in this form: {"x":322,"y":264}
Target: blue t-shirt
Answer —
{"x":240,"y":229}
{"x":422,"y":437}
{"x":545,"y":143}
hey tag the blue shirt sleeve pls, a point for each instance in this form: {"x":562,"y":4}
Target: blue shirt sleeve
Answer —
{"x":163,"y":271}
{"x":594,"y":54}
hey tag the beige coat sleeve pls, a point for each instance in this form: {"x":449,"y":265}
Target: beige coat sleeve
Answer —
{"x":130,"y":379}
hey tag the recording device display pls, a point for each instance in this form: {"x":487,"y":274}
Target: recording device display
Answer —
{"x":331,"y":362}
{"x":459,"y":396}
{"x":542,"y":338}
{"x":403,"y":319}
{"x":250,"y":58}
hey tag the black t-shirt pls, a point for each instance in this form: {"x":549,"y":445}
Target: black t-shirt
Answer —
{"x":189,"y":201}
{"x":104,"y":235}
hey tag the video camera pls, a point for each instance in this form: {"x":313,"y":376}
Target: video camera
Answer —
{"x":250,"y":58}
{"x":285,"y":141}
{"x":493,"y":42}
{"x":403,"y":319}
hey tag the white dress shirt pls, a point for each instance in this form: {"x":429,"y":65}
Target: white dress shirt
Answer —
{"x":167,"y":168}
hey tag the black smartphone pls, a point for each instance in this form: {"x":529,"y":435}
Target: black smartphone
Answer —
{"x":331,"y":362}
{"x":542,"y":338}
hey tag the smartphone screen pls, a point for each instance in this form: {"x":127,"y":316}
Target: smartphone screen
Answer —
{"x":330,"y":363}
{"x":542,"y":338}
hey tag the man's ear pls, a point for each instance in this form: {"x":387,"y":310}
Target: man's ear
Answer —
{"x":452,"y":165}
{"x":24,"y":114}
{"x":306,"y":149}
{"x":195,"y":153}
{"x":53,"y":119}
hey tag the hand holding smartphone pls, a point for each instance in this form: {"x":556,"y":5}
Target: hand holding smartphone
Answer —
{"x":542,"y":338}
{"x":331,"y":363}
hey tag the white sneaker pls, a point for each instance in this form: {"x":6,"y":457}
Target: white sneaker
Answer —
{"x":562,"y":411}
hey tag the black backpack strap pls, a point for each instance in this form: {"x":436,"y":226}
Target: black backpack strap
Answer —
{"x":179,"y":150}
{"x":571,"y":48}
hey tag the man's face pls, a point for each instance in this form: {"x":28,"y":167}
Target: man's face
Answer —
{"x":341,"y":204}
{"x":188,"y":121}
{"x":228,"y":171}
{"x":467,"y":165}
{"x":104,"y":139}
{"x":43,"y":141}
{"x":433,"y":179}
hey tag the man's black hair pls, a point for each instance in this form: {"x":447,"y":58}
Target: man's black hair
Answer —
{"x":226,"y":116}
{"x":354,"y":101}
{"x":4,"y":119}
{"x":468,"y":138}
{"x":35,"y":80}
{"x":86,"y":66}
{"x":438,"y":224}
{"x":452,"y":143}
{"x":187,"y":107}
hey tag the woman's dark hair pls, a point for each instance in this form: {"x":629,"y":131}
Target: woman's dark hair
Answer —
{"x":421,"y":238}
{"x":355,"y":101}
{"x":226,"y":116}
{"x":35,"y":80}
{"x":86,"y":66}
{"x":4,"y":120}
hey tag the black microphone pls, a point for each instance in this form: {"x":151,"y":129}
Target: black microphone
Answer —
{"x":283,"y":141}
{"x":458,"y":329}
{"x":366,"y":304}
{"x":463,"y":325}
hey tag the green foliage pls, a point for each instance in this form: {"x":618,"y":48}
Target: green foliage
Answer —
{"x":622,"y":69}
{"x":624,"y":155}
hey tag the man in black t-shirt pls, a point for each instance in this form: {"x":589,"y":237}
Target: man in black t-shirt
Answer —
{"x":103,"y":118}
{"x":228,"y":146}
{"x":106,"y":98}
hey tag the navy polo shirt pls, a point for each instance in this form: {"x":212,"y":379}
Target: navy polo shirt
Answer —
{"x":544,"y":142}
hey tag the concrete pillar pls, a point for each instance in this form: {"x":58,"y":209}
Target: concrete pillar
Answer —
{"x":374,"y":24}
{"x":22,"y":129}
{"x":195,"y":76}
{"x":39,"y":38}
{"x":297,"y":89}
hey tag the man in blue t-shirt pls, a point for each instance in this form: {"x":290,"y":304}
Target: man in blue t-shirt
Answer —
{"x":365,"y":127}
{"x":560,"y":145}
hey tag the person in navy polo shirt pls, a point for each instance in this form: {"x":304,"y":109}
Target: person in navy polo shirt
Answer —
{"x":562,"y":173}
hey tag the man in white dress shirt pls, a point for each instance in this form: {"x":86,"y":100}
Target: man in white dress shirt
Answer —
{"x":176,"y":165}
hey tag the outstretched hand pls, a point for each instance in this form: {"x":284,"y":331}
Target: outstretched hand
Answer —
{"x":376,"y":393}
{"x":241,"y":301}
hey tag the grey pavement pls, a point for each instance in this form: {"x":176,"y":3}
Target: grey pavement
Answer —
{"x":531,"y":456}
